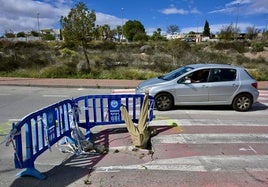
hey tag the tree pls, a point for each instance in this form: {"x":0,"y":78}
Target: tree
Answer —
{"x":172,"y":29}
{"x":132,"y":28}
{"x":48,"y":36}
{"x":140,"y":36}
{"x":206,"y":31}
{"x":21,"y":34}
{"x":157,"y":35}
{"x":104,"y":32}
{"x":119,"y":32}
{"x":78,"y":27}
{"x":35,"y":33}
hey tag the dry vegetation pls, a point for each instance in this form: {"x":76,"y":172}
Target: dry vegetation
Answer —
{"x":126,"y":60}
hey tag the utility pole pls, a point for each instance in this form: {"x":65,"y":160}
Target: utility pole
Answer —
{"x":236,"y":21}
{"x":38,"y":25}
{"x":121,"y":38}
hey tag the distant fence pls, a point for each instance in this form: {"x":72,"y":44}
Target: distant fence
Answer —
{"x":40,"y":130}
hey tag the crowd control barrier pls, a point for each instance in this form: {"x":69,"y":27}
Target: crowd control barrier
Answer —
{"x":105,"y":109}
{"x":40,"y":130}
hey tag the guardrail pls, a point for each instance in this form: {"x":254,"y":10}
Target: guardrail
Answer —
{"x":40,"y":130}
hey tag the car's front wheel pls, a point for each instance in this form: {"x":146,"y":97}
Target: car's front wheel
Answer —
{"x":163,"y":101}
{"x":242,"y":102}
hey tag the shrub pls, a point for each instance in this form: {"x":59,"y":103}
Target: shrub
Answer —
{"x":58,"y":72}
{"x":257,"y":46}
{"x":101,"y":45}
{"x":236,"y":45}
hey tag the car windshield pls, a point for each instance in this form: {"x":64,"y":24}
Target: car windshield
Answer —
{"x":176,"y":73}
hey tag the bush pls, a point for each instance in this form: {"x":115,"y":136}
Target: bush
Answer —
{"x":102,"y":45}
{"x":121,"y":60}
{"x":58,"y":72}
{"x":8,"y":64}
{"x":257,"y":46}
{"x":236,"y":45}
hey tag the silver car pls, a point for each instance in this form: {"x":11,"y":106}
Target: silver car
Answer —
{"x":203,"y":84}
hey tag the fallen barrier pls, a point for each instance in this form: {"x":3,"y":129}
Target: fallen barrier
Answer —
{"x":37,"y":132}
{"x":40,"y":130}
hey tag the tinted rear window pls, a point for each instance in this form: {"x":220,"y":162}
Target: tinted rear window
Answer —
{"x":222,"y":74}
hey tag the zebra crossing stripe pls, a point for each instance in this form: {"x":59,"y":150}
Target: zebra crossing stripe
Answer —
{"x":206,"y":122}
{"x":200,"y":164}
{"x":210,"y":138}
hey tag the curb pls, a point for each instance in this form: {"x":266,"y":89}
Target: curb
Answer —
{"x":83,"y":83}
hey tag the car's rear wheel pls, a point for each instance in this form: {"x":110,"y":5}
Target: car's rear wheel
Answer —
{"x":242,"y":102}
{"x":163,"y":101}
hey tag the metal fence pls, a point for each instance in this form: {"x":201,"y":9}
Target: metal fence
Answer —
{"x":40,"y":130}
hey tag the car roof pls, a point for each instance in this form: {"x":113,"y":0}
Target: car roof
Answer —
{"x":196,"y":66}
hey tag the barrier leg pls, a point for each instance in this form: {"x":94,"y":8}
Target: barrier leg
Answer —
{"x":32,"y":172}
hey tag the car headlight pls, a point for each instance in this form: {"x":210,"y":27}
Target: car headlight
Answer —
{"x":143,"y":90}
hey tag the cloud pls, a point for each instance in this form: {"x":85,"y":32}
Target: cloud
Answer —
{"x":112,"y":21}
{"x":258,"y":7}
{"x":248,"y":7}
{"x":24,"y":15}
{"x":16,"y":18}
{"x":173,"y":10}
{"x":236,"y":2}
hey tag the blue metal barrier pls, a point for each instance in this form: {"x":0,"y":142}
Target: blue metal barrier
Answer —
{"x":38,"y":131}
{"x":105,"y":109}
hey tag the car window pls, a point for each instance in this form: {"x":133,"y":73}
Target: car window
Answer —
{"x":176,"y":73}
{"x":199,"y":76}
{"x":196,"y":76}
{"x":222,"y":74}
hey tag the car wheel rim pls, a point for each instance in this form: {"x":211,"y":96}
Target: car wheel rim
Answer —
{"x":243,"y":103}
{"x":163,"y":102}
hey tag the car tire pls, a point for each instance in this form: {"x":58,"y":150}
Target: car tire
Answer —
{"x":163,"y":101}
{"x":242,"y":102}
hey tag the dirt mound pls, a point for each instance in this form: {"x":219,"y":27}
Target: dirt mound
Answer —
{"x":262,"y":54}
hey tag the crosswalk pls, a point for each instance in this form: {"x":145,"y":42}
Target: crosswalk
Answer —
{"x":263,"y":97}
{"x":223,"y":144}
{"x":214,"y":145}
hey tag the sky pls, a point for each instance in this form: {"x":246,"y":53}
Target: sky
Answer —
{"x":189,"y":15}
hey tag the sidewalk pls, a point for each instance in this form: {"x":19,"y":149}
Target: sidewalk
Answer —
{"x":80,"y":83}
{"x":83,"y":83}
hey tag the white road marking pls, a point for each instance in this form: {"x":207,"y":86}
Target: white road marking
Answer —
{"x":123,"y":91}
{"x":210,"y":138}
{"x":14,"y":120}
{"x":248,"y":149}
{"x":206,"y":122}
{"x":201,"y":164}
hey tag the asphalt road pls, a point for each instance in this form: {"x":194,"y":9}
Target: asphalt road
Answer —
{"x":210,"y":146}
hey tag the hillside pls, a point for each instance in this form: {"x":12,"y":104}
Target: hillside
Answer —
{"x":125,"y":60}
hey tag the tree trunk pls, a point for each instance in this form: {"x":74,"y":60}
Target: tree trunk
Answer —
{"x":86,"y":56}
